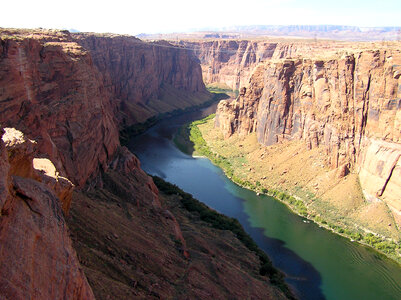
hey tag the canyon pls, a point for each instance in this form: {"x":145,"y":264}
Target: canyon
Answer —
{"x":79,"y":217}
{"x":341,"y":99}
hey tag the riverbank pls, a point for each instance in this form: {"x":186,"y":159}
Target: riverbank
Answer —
{"x":130,"y":131}
{"x":217,"y":88}
{"x":245,"y":162}
{"x":222,"y":222}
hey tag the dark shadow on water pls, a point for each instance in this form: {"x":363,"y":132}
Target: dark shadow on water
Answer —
{"x":302,"y":277}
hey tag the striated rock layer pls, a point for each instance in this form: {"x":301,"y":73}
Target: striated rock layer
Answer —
{"x":349,"y":103}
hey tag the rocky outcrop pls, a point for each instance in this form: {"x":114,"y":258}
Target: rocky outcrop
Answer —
{"x":125,"y":163}
{"x":36,"y":255}
{"x":51,"y":91}
{"x":349,"y":103}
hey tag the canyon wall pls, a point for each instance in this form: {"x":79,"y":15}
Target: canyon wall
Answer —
{"x":230,"y":63}
{"x":145,"y":78}
{"x":71,"y":93}
{"x":63,"y":99}
{"x":65,"y":109}
{"x":37,"y":259}
{"x":349,"y":103}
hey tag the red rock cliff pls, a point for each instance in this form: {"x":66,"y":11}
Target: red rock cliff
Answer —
{"x":58,"y":93}
{"x":350,"y":104}
{"x":37,"y":260}
{"x":70,"y":92}
{"x":145,"y":78}
{"x":51,"y":91}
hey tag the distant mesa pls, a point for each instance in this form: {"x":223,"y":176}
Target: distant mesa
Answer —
{"x":220,"y":36}
{"x":333,"y":32}
{"x":72,"y":30}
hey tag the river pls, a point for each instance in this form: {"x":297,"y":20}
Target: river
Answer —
{"x":318,"y":264}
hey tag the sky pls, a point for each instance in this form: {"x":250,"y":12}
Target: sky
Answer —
{"x":134,"y":17}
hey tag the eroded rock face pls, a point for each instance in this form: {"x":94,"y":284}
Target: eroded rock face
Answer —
{"x":350,"y":104}
{"x":68,"y":110}
{"x":231,"y":62}
{"x":36,"y":255}
{"x":70,"y":93}
{"x":52,"y":92}
{"x":379,"y":171}
{"x":145,"y":78}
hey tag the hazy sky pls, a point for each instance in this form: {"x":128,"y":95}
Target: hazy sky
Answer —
{"x":135,"y":17}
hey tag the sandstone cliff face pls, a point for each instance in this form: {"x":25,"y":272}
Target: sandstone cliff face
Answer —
{"x":36,"y":255}
{"x":350,"y":104}
{"x":66,"y":94}
{"x":230,"y":63}
{"x":70,"y":93}
{"x":51,"y":91}
{"x":140,"y":74}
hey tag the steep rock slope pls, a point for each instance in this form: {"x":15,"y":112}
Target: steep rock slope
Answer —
{"x":350,"y":104}
{"x":37,"y":259}
{"x":132,"y":244}
{"x":51,"y":91}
